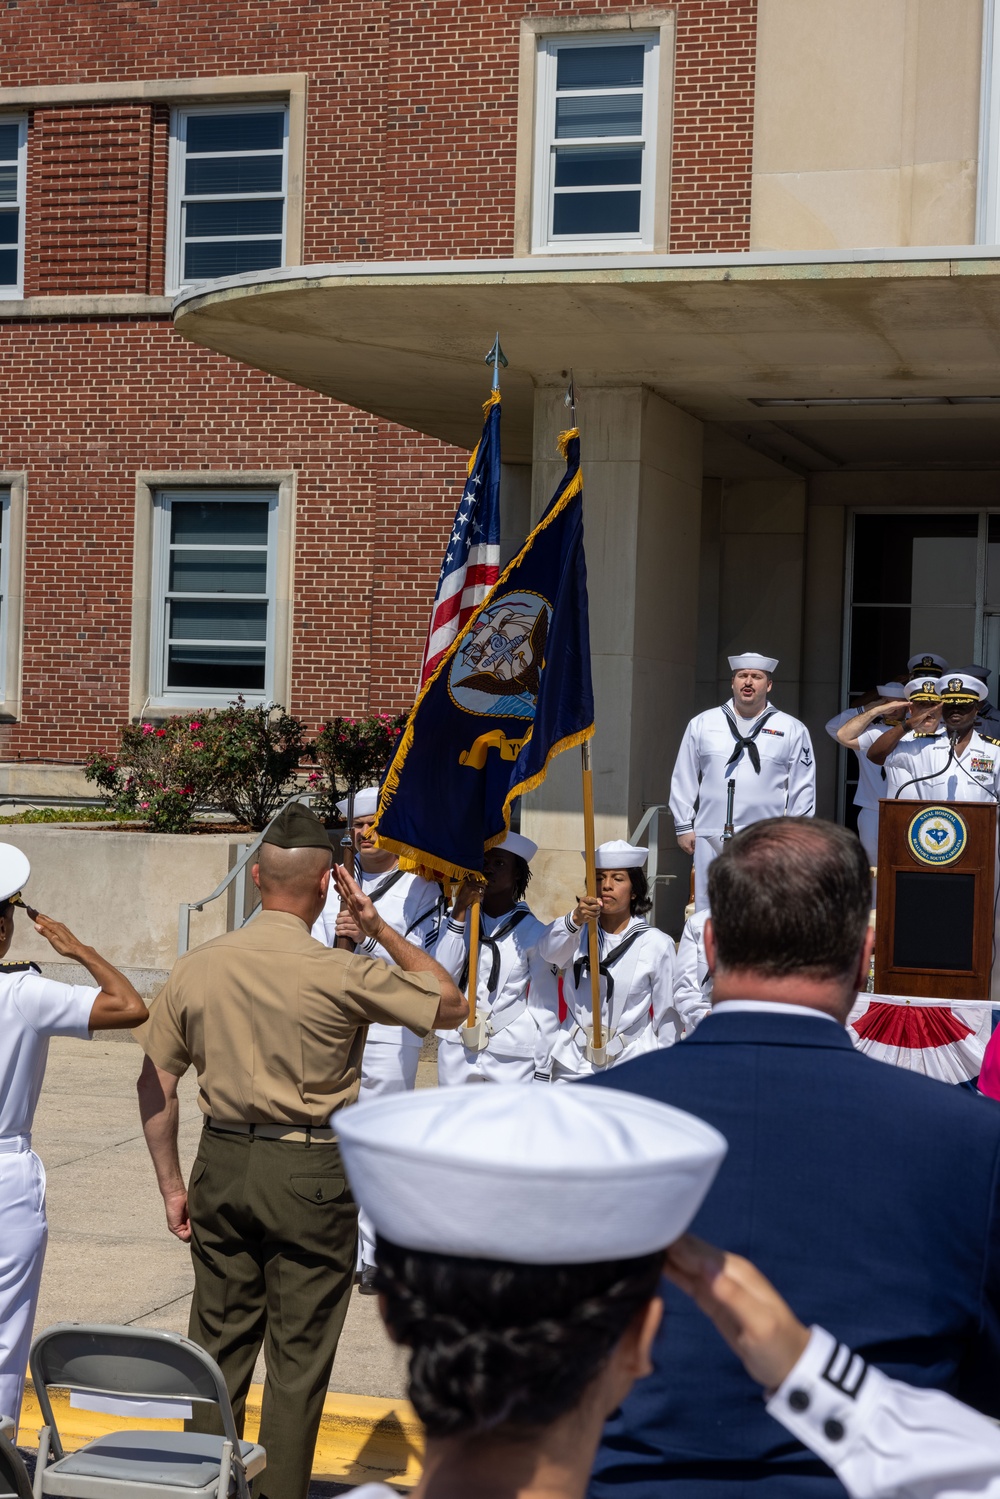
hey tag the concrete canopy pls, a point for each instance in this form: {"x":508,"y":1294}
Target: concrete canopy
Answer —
{"x":713,"y":335}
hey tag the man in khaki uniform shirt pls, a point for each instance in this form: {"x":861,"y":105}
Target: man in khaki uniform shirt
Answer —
{"x":274,"y":1024}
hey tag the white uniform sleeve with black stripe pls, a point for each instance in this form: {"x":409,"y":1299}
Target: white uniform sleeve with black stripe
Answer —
{"x":885,"y":1439}
{"x":685,"y":782}
{"x":801,"y":774}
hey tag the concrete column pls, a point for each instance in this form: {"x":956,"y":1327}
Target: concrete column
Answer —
{"x":822,"y":634}
{"x":642,"y":509}
{"x":762,"y":560}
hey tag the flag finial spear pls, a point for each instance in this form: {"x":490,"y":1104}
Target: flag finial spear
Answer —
{"x":570,"y":397}
{"x":496,"y":357}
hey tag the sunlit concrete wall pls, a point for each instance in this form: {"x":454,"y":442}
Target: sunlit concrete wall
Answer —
{"x":866,"y":123}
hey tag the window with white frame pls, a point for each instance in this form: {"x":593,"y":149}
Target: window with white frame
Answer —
{"x":13,"y":150}
{"x":228,"y":189}
{"x":595,"y":142}
{"x":213,"y":625}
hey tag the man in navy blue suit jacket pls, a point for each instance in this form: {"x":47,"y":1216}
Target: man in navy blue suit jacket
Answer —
{"x":869,"y":1195}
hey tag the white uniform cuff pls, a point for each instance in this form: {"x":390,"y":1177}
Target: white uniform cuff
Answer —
{"x":683,"y":827}
{"x":827,"y":1398}
{"x":570,"y":927}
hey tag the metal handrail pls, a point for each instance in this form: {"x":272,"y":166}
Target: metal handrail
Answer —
{"x":651,"y":820}
{"x":237,"y":876}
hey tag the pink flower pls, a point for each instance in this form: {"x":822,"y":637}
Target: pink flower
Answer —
{"x":197,"y":744}
{"x":147,"y":728}
{"x":143,"y":804}
{"x":193,"y":726}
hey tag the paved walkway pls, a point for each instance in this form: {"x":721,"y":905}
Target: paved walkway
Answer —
{"x":110,"y":1257}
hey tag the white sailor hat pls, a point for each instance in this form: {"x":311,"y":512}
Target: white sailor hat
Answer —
{"x":515,"y":844}
{"x":922,"y":690}
{"x":617,"y":854}
{"x":890,"y":689}
{"x":957,"y":687}
{"x":750,"y":661}
{"x":14,"y":871}
{"x":537,"y":1176}
{"x":926,"y":664}
{"x":365,"y":803}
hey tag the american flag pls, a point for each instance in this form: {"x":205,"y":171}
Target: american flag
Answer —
{"x":472,"y":557}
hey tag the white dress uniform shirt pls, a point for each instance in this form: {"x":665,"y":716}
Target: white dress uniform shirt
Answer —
{"x":972,"y":776}
{"x":639,"y":1014}
{"x":872,"y":782}
{"x":885,"y":1439}
{"x":692,"y":982}
{"x":412,"y":907}
{"x":519,"y":1009}
{"x":785,"y":785}
{"x":32,"y":1010}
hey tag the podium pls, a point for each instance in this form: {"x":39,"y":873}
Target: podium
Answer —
{"x":934,"y":909}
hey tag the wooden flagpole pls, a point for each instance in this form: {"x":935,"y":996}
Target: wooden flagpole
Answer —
{"x":473,"y":962}
{"x":593,"y":947}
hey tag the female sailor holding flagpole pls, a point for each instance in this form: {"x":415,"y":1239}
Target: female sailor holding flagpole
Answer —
{"x":636,"y":963}
{"x":515,"y":993}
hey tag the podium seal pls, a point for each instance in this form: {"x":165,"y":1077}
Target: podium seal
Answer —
{"x":937,"y":835}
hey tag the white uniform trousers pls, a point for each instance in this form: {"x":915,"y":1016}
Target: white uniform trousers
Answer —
{"x":868,"y":832}
{"x":23,"y":1232}
{"x":706,"y":851}
{"x":388,"y":1067}
{"x":456,"y":1064}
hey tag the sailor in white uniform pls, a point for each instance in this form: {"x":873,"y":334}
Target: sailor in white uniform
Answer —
{"x":692,"y":980}
{"x":959,"y":764}
{"x":516,"y":995}
{"x":767,"y":756}
{"x":32,"y":1010}
{"x":858,"y":730}
{"x":542,"y":1183}
{"x":412,"y":907}
{"x":636,"y":969}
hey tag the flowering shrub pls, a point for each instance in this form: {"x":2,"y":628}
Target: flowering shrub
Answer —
{"x":256,"y":753}
{"x":238,"y":759}
{"x":159,"y":774}
{"x":353,"y":752}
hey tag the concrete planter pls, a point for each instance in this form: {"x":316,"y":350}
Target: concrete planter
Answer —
{"x":120,"y":891}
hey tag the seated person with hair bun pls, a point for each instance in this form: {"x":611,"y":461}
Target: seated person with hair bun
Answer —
{"x":521,"y":1237}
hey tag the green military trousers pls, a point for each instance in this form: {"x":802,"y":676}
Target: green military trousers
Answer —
{"x":273,"y":1239}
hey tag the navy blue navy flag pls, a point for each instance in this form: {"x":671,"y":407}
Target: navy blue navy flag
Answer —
{"x":511,"y":691}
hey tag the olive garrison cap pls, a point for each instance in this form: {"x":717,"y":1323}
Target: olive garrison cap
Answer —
{"x":296,"y":827}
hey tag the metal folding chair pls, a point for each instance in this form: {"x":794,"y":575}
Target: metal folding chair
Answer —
{"x":154,"y":1366}
{"x":14,"y":1480}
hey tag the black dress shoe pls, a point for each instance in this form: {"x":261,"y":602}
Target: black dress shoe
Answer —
{"x":367,"y":1283}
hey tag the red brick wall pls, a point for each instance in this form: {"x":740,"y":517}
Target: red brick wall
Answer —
{"x":89,"y":199}
{"x":90,"y":405}
{"x":410,"y":153}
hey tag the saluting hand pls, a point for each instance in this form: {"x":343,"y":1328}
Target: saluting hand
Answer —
{"x":758,"y":1324}
{"x":355,"y":902}
{"x":56,"y":935}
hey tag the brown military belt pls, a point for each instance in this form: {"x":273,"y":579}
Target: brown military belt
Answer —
{"x":298,"y":1134}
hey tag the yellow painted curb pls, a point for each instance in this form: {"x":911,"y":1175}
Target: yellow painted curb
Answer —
{"x":361,"y":1439}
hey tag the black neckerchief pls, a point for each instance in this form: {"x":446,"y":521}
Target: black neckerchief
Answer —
{"x":745,"y":741}
{"x":385,"y":885}
{"x":493,"y":943}
{"x":582,"y":964}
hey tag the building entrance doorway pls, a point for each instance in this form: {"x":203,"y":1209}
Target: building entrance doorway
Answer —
{"x":919,"y":581}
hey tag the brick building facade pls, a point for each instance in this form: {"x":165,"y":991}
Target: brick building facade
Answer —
{"x":405,"y":149}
